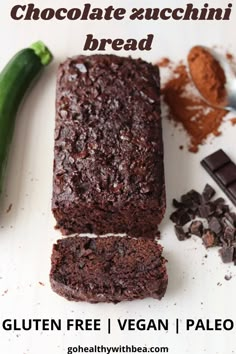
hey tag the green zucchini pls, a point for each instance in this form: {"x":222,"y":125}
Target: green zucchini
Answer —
{"x":15,"y":79}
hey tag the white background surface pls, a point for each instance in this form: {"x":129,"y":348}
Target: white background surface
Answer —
{"x":27,"y":231}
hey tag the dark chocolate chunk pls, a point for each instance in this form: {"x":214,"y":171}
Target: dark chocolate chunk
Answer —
{"x":226,"y":208}
{"x":221,"y":209}
{"x":229,"y":234}
{"x":180,"y":217}
{"x":219,"y":201}
{"x":222,"y":241}
{"x":177,"y":204}
{"x":221,"y":229}
{"x":174,"y":217}
{"x":216,"y":160}
{"x":193,"y":211}
{"x":227,"y":253}
{"x":231,"y":217}
{"x":195,"y":196}
{"x":179,"y":231}
{"x":205,"y":210}
{"x":186,"y":200}
{"x":191,"y":198}
{"x":215,"y":225}
{"x":208,"y":238}
{"x":219,"y":212}
{"x":225,"y":222}
{"x":223,"y":171}
{"x":196,"y":228}
{"x":208,"y":192}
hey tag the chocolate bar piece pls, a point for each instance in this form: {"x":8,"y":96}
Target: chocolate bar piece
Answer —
{"x":223,"y":171}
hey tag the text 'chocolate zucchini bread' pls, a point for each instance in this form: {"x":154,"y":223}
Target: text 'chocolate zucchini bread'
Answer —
{"x":108,"y":167}
{"x":108,"y":269}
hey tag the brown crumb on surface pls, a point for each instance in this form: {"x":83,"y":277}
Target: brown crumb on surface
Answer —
{"x":228,"y":277}
{"x":181,"y":147}
{"x":5,"y":292}
{"x":9,"y":208}
{"x":229,"y":56}
{"x":40,"y":283}
{"x":233,"y":121}
{"x":164,"y":62}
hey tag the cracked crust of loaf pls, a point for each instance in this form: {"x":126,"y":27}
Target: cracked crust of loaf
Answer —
{"x":108,"y":155}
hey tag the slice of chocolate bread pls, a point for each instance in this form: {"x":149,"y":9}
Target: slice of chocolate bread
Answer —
{"x":108,"y":155}
{"x":108,"y":269}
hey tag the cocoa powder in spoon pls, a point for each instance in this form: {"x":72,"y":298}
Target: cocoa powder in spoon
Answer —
{"x":186,"y":106}
{"x":208,"y":76}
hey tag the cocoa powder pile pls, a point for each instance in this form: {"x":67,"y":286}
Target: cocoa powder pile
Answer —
{"x":185,"y":103}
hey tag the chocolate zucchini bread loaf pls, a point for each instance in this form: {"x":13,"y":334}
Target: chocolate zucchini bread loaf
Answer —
{"x":108,"y":269}
{"x":108,"y":166}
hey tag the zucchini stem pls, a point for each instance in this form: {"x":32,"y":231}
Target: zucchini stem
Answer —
{"x":42,"y":52}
